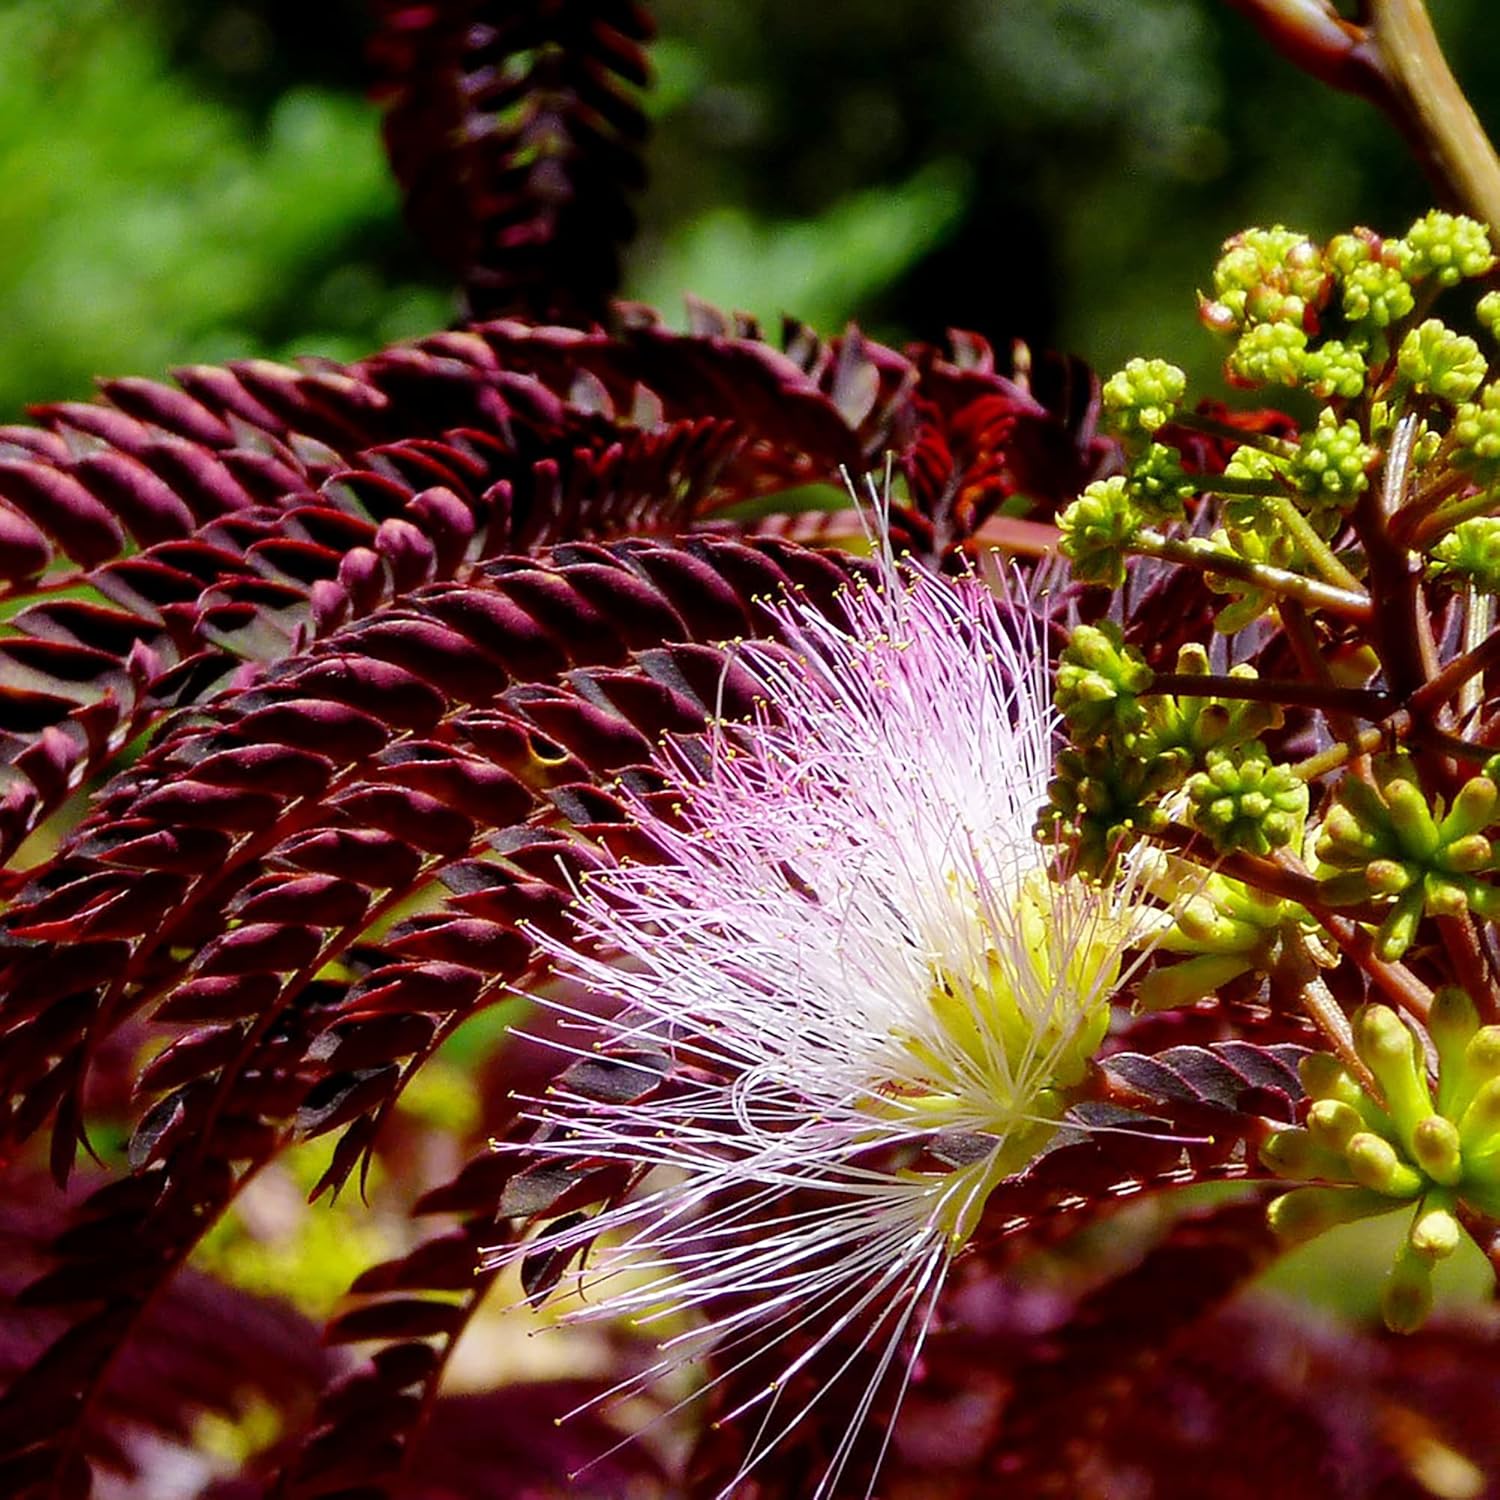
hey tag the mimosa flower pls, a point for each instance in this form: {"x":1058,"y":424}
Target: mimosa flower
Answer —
{"x":875,"y":996}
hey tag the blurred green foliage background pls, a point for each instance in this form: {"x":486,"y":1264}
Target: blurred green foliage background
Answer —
{"x":182,"y":180}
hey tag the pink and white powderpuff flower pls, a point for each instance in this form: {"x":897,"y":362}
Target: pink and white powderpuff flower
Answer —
{"x":874,"y":995}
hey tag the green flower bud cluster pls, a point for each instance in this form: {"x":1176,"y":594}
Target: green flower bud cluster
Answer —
{"x":1243,"y":800}
{"x":1327,"y":319}
{"x":1098,"y":804}
{"x":1334,"y":368}
{"x":1136,"y":745}
{"x":1471,"y":551}
{"x":1333,"y":462}
{"x":1191,"y":725}
{"x":1143,"y":396}
{"x":1372,"y":279}
{"x":1227,"y":927}
{"x":1099,"y":683}
{"x":1385,"y":843}
{"x":1268,"y":354}
{"x":1437,"y":1152}
{"x":1267,"y":276}
{"x":1487,"y":310}
{"x":1097,"y":530}
{"x":1157,"y":484}
{"x":1104,"y":693}
{"x":1266,"y":544}
{"x":1475,"y":435}
{"x":1320,"y":317}
{"x":1447,"y":247}
{"x":1251,"y":512}
{"x":1438,"y":362}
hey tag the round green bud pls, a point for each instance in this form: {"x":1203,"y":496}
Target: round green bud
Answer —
{"x":1294,"y":1153}
{"x":1241,"y":800}
{"x":1473,"y":808}
{"x":1487,"y":310}
{"x":1381,"y":1038}
{"x":1443,"y":363}
{"x":1481,"y":1120}
{"x":1268,"y":354}
{"x":1372,"y":282}
{"x":1468,"y":856}
{"x":1476,"y":435}
{"x":1334,"y":368}
{"x":1374,"y":1164}
{"x":1406,"y":1298}
{"x":1448,"y":247}
{"x":1158,"y":484}
{"x":1325,"y":1077}
{"x":1098,"y":529}
{"x":1306,"y":1212}
{"x":1388,"y":877}
{"x":1471,"y":552}
{"x":1451,"y":1023}
{"x":1333,"y":462}
{"x":1412,"y":818}
{"x":1482,"y":1055}
{"x":1435,"y":1234}
{"x":1270,"y":275}
{"x":1435,"y":1145}
{"x":1389,"y":1050}
{"x":1144,"y":395}
{"x":1332,"y":1123}
{"x":1247,"y":462}
{"x":1099,"y":680}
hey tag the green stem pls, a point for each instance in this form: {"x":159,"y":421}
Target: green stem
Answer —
{"x":1319,"y":553}
{"x":1195,"y":421}
{"x":1430,"y":108}
{"x":1228,"y":484}
{"x":1320,"y":764}
{"x":1199,"y":553}
{"x":1442,"y":520}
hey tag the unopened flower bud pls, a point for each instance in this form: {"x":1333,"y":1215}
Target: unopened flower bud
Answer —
{"x":1389,"y":1051}
{"x":1373,"y":1163}
{"x":1333,"y":1124}
{"x":1306,"y":1212}
{"x":1468,"y":855}
{"x":1473,"y":808}
{"x":1412,"y":818}
{"x":1435,"y":1234}
{"x":1481,"y":1120}
{"x":1385,"y":877}
{"x":1435,"y":1144}
{"x":1294,"y":1153}
{"x":1325,"y":1077}
{"x":1406,"y":1299}
{"x":1451,"y":1023}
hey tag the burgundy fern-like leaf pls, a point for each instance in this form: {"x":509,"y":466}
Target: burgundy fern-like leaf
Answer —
{"x":515,"y":131}
{"x":173,"y":1371}
{"x":270,"y":504}
{"x":261,"y":839}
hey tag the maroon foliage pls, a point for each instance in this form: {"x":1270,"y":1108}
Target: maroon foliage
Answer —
{"x":515,"y":132}
{"x":322,"y":685}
